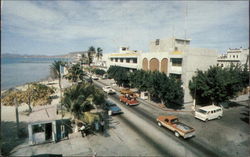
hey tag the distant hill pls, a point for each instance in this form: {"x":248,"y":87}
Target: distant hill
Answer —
{"x":68,"y":55}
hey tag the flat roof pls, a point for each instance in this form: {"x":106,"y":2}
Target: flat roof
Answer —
{"x":210,"y":107}
{"x":124,"y":54}
{"x":43,"y":113}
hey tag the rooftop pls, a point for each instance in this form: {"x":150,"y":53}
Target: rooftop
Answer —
{"x":43,"y":113}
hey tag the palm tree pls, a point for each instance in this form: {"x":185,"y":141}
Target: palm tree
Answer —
{"x":84,"y":58}
{"x":75,"y":73}
{"x":80,"y":98}
{"x":99,"y":53}
{"x":90,"y":54}
{"x":56,"y":71}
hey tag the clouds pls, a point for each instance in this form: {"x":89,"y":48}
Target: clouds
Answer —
{"x":110,"y":24}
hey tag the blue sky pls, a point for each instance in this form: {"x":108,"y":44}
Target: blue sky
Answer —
{"x":59,"y":27}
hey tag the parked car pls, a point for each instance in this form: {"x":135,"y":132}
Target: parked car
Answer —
{"x":172,"y":123}
{"x":95,"y":77}
{"x":209,"y":112}
{"x":110,"y":106}
{"x":129,"y":100}
{"x":108,"y":90}
{"x":126,"y":91}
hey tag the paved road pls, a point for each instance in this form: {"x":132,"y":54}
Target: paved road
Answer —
{"x":143,"y":122}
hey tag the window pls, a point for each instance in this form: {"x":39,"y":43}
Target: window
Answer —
{"x":176,"y":62}
{"x":116,"y":59}
{"x":166,"y":120}
{"x":127,"y":60}
{"x":176,"y":48}
{"x":221,"y":65}
{"x":157,"y":41}
{"x":233,"y":56}
{"x":124,"y":49}
{"x":112,"y":59}
{"x":134,"y":60}
{"x":38,"y":128}
{"x":236,"y":56}
{"x":121,"y":59}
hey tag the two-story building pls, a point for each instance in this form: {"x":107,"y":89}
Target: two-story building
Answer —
{"x":173,"y":56}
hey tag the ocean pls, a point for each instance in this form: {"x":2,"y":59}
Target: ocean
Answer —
{"x":19,"y":71}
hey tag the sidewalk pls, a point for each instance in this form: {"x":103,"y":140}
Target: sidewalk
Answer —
{"x":76,"y":145}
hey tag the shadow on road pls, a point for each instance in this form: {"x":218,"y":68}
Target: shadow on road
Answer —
{"x":245,"y":115}
{"x":9,"y":137}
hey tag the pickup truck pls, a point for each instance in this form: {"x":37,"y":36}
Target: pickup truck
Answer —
{"x":129,"y":100}
{"x":108,"y":90}
{"x":172,"y":123}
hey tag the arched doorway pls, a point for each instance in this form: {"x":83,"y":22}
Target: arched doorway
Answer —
{"x":145,"y":64}
{"x":154,"y":64}
{"x":164,"y":65}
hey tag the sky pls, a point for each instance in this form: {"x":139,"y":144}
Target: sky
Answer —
{"x":60,"y":27}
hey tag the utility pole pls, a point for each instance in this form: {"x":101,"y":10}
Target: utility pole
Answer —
{"x":17,"y":117}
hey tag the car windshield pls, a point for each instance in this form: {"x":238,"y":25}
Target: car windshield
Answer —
{"x":110,"y":103}
{"x":174,"y":120}
{"x":202,"y":111}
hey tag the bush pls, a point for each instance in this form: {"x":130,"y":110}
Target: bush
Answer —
{"x":90,"y":118}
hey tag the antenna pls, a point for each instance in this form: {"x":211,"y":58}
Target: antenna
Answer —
{"x":185,"y":25}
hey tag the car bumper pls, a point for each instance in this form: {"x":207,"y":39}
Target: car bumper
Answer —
{"x":134,"y":104}
{"x":188,"y":135}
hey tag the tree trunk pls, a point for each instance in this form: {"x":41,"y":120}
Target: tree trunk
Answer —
{"x":60,"y":88}
{"x":29,"y":103}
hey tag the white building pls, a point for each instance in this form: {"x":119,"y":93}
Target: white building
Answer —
{"x":172,"y":56}
{"x":234,"y":56}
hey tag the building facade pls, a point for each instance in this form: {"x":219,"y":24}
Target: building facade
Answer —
{"x":172,"y":56}
{"x":234,"y":56}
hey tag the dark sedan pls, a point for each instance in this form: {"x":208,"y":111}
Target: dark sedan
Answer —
{"x":110,"y":106}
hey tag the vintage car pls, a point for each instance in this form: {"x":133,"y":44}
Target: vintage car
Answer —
{"x":108,"y":90}
{"x":172,"y":123}
{"x":126,"y":91}
{"x":209,"y":112}
{"x":94,"y":77}
{"x":129,"y":100}
{"x":113,"y":108}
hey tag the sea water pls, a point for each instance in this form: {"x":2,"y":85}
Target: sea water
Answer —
{"x":19,"y":71}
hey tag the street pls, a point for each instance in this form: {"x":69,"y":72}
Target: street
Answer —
{"x":210,"y":137}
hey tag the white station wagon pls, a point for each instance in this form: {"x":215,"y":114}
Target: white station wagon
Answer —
{"x":209,"y":112}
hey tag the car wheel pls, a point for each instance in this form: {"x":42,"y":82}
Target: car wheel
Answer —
{"x":219,"y":117}
{"x":159,"y":123}
{"x":176,"y":134}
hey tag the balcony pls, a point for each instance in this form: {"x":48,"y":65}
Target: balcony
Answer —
{"x":176,"y":69}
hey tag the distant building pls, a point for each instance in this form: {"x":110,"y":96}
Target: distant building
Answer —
{"x":172,"y":56}
{"x":234,"y":56}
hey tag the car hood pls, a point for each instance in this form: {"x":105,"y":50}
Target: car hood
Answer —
{"x":115,"y":108}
